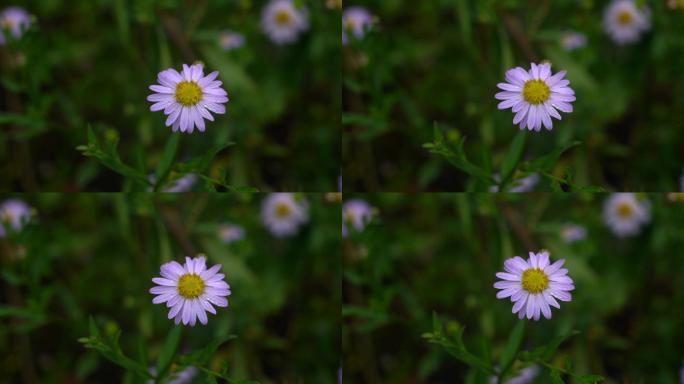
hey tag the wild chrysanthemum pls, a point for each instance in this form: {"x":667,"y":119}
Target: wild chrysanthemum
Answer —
{"x":283,"y":21}
{"x":283,"y":213}
{"x":624,"y":22}
{"x":14,"y":20}
{"x":190,"y":290}
{"x":535,"y":96}
{"x":188,"y":97}
{"x":625,"y":214}
{"x":355,"y":20}
{"x":355,"y":213}
{"x":534,"y":285}
{"x":231,"y":232}
{"x":571,"y":233}
{"x":230,"y":40}
{"x":13,"y":214}
{"x":573,"y":40}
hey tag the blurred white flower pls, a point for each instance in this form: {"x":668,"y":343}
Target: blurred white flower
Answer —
{"x":14,"y":213}
{"x":182,"y":377}
{"x":525,"y":376}
{"x":179,"y":185}
{"x":572,"y":40}
{"x":282,"y":21}
{"x":625,"y":214}
{"x":283,"y":214}
{"x":521,"y":185}
{"x":573,"y":232}
{"x":624,"y":22}
{"x":230,"y":233}
{"x":230,"y":40}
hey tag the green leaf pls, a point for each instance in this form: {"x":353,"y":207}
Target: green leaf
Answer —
{"x":555,"y":377}
{"x":590,"y":379}
{"x":94,"y":331}
{"x":164,"y":165}
{"x":545,"y":352}
{"x":454,"y":345}
{"x":512,"y":346}
{"x":200,"y":164}
{"x":456,"y":157}
{"x":545,"y":163}
{"x":202,"y":356}
{"x":168,"y":351}
{"x":513,"y":157}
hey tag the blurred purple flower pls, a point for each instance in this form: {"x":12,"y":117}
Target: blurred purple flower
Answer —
{"x":355,"y":20}
{"x":15,"y":214}
{"x":15,"y":20}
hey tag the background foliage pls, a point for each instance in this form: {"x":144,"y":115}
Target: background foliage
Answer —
{"x":95,"y":255}
{"x":439,"y":62}
{"x":90,"y":63}
{"x":440,"y":252}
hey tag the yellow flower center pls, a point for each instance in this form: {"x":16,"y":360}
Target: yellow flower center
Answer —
{"x":625,"y":210}
{"x":188,"y":93}
{"x":536,"y":91}
{"x":349,"y":23}
{"x":349,"y":216}
{"x":283,"y":17}
{"x":7,"y":216}
{"x":625,"y":17}
{"x":534,"y":280}
{"x":283,"y":210}
{"x":190,"y":286}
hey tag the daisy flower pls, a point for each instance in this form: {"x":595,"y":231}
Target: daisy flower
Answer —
{"x":534,"y":285}
{"x":14,"y":20}
{"x":190,"y":290}
{"x":525,"y":376}
{"x":230,"y":233}
{"x":571,"y":233}
{"x":282,"y":21}
{"x":283,"y":214}
{"x":624,"y":214}
{"x":624,"y":22}
{"x":573,"y":40}
{"x":355,"y":20}
{"x":15,"y":214}
{"x":230,"y":40}
{"x":535,"y":96}
{"x":355,"y":213}
{"x":188,"y":97}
